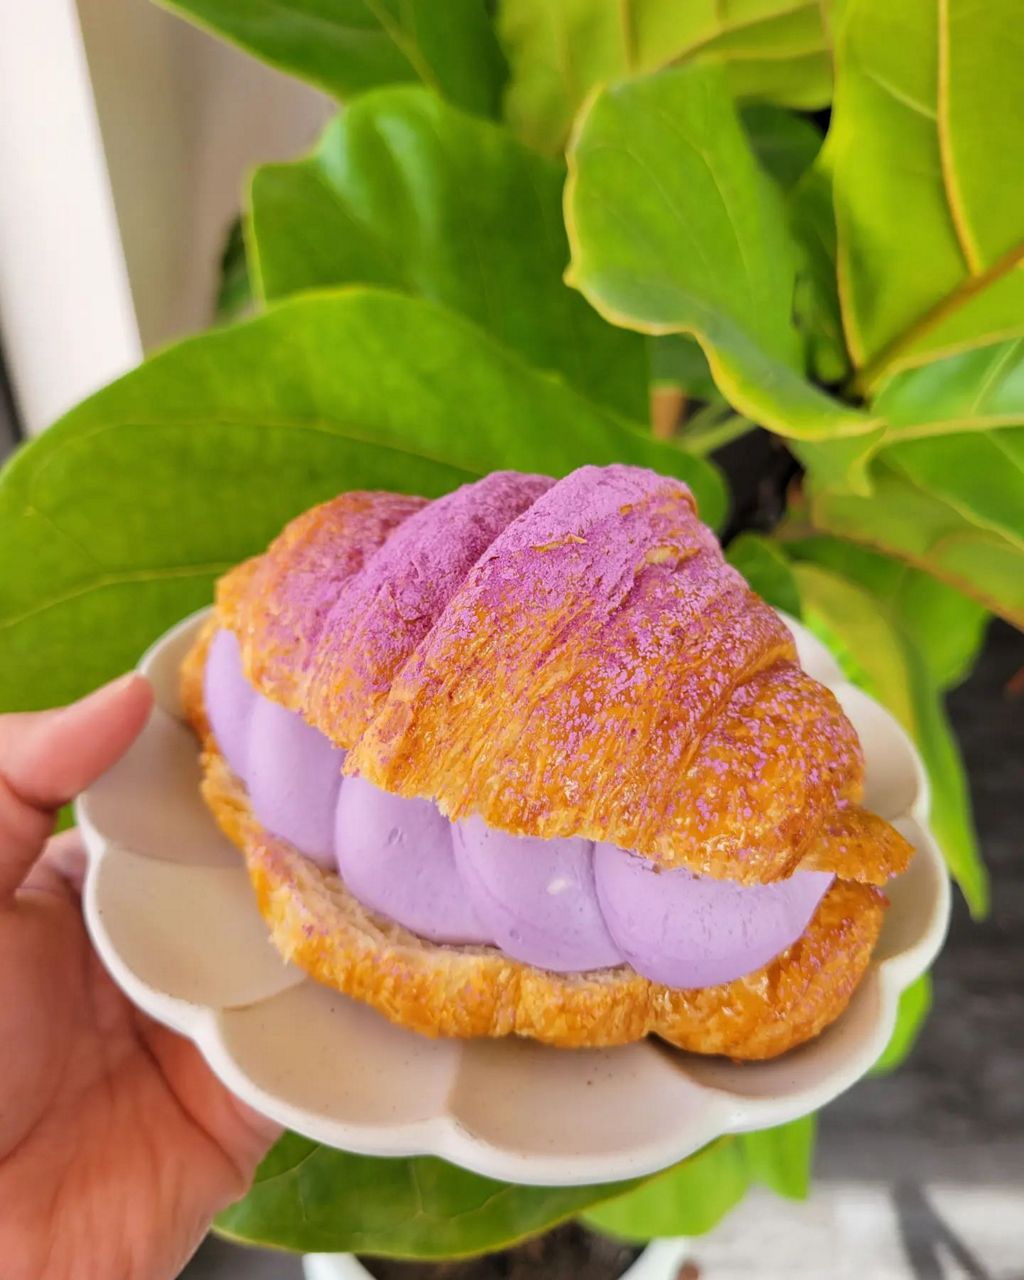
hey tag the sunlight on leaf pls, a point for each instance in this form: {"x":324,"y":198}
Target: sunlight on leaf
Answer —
{"x":945,"y":490}
{"x":974,"y":391}
{"x":926,"y":146}
{"x":932,"y":531}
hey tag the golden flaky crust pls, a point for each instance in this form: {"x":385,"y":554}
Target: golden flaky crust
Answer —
{"x":565,"y":659}
{"x":477,"y":991}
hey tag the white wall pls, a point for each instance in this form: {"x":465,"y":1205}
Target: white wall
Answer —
{"x":125,"y":139}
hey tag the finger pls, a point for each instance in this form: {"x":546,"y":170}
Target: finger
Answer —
{"x":47,"y":757}
{"x":61,"y":868}
{"x":66,"y":854}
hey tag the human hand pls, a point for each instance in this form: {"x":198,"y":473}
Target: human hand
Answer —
{"x":117,"y":1143}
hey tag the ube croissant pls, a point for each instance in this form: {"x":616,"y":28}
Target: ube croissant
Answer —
{"x":533,"y":759}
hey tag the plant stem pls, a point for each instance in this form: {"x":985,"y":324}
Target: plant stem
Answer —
{"x":709,"y":429}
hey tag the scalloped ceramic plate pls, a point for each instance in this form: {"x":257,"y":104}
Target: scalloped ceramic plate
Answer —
{"x":168,"y":903}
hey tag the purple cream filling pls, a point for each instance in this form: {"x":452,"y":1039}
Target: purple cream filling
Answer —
{"x":563,"y":905}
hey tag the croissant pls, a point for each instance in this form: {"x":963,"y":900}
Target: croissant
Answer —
{"x":533,"y":759}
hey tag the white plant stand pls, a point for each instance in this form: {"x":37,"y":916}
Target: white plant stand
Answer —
{"x":661,"y":1260}
{"x":126,"y":136}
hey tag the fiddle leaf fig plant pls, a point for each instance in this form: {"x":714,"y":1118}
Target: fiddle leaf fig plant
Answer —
{"x":919,"y":451}
{"x":312,"y":1198}
{"x":540,"y":233}
{"x":409,"y":193}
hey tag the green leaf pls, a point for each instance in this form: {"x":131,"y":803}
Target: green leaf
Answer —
{"x":914,"y":1006}
{"x":116,"y":521}
{"x":674,"y":227}
{"x":677,"y":360}
{"x":982,"y":475}
{"x":711,"y":428}
{"x":926,"y":147}
{"x":946,"y":491}
{"x":874,"y":653}
{"x":976,"y":390}
{"x":234,"y":293}
{"x":784,"y":143}
{"x":687,"y":1200}
{"x":772,"y":50}
{"x":781,"y":1157}
{"x":930,"y":531}
{"x":816,"y":301}
{"x":945,"y":627}
{"x":348,"y":46}
{"x":406,"y":191}
{"x":767,"y":570}
{"x":312,"y":1198}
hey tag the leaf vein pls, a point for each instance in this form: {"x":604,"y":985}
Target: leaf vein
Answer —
{"x":947,"y":168}
{"x":103,"y":581}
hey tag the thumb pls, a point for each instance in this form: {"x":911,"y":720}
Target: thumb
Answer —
{"x":47,"y":757}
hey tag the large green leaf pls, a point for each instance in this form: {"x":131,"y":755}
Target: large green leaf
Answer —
{"x":875,"y":653}
{"x":926,"y":147}
{"x":785,"y":145}
{"x":915,"y":1004}
{"x":691,"y":1198}
{"x":674,"y":227}
{"x":781,"y":1158}
{"x":977,"y":390}
{"x":312,"y":1198}
{"x":115,"y":522}
{"x":558,"y":50}
{"x":981,"y":475}
{"x":409,"y":192}
{"x":348,"y":46}
{"x":945,"y":627}
{"x":938,"y":529}
{"x":685,"y":1201}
